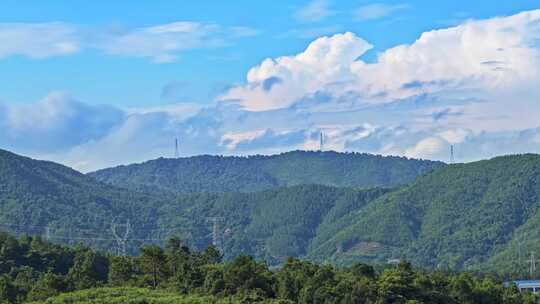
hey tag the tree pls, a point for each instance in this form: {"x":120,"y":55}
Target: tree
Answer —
{"x":153,"y":263}
{"x":396,"y":285}
{"x":244,"y":274}
{"x":211,"y":255}
{"x":292,"y":277}
{"x":89,"y":269}
{"x":7,"y":290}
{"x":121,"y":270}
{"x":47,"y":286}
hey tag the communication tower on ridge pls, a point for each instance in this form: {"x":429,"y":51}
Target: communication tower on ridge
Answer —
{"x":176,"y":151}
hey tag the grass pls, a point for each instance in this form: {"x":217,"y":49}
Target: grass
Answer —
{"x":128,"y":295}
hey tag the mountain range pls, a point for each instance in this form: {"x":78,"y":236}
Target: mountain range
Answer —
{"x":324,"y":206}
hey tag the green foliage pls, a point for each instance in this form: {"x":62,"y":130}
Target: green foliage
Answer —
{"x":180,"y":275}
{"x":475,"y":216}
{"x":463,"y":216}
{"x":255,"y":173}
{"x":38,"y":194}
{"x":271,"y":224}
{"x":121,"y":271}
{"x":47,"y":286}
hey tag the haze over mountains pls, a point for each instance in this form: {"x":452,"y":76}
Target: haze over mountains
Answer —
{"x":329,"y":206}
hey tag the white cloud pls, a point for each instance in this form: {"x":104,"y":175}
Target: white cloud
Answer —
{"x":55,"y":123}
{"x":163,"y":43}
{"x":316,"y":10}
{"x":312,"y":32}
{"x":38,"y":40}
{"x":160,"y":43}
{"x":487,"y":56}
{"x":474,"y":86}
{"x":426,"y":148}
{"x":377,"y":11}
{"x":327,"y":60}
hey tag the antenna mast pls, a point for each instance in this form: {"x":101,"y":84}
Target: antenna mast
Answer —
{"x":451,"y":154}
{"x":321,"y":142}
{"x":176,"y":151}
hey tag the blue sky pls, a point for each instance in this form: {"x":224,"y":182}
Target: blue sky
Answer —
{"x":98,"y":78}
{"x":97,"y":72}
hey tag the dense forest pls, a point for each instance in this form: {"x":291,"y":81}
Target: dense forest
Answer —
{"x":480,"y":216}
{"x":35,"y":271}
{"x":465,"y":216}
{"x":255,"y":173}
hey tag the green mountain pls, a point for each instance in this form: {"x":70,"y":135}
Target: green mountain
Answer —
{"x":481,"y":215}
{"x":216,"y":174}
{"x":271,"y":224}
{"x":474,"y":215}
{"x":44,"y":198}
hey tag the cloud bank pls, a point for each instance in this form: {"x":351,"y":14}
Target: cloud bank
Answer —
{"x":473,"y":86}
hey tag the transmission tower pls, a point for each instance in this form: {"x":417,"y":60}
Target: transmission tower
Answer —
{"x":451,"y":154}
{"x":532,"y":265}
{"x":216,"y":231}
{"x":121,"y":238}
{"x":176,"y":150}
{"x":321,"y":141}
{"x":47,"y":233}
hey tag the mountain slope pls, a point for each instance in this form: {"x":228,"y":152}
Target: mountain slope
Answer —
{"x":255,"y":173}
{"x":36,"y":194}
{"x":481,"y":215}
{"x":459,"y":216}
{"x":272,"y":224}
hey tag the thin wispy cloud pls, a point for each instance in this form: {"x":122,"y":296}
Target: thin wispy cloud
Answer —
{"x":312,"y":32}
{"x":161,"y":43}
{"x":39,"y":40}
{"x":377,"y":11}
{"x":316,"y":10}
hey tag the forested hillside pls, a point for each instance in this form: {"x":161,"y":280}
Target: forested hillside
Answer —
{"x":44,"y":198}
{"x":461,"y":216}
{"x":272,"y":224}
{"x":38,"y":272}
{"x":255,"y":173}
{"x":481,"y":215}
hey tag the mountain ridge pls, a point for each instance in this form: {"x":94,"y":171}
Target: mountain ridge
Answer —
{"x":208,"y":173}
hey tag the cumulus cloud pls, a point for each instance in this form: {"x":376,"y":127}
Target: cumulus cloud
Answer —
{"x":473,"y":86}
{"x":326,"y":61}
{"x":448,"y":59}
{"x":56,"y":122}
{"x":161,"y":43}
